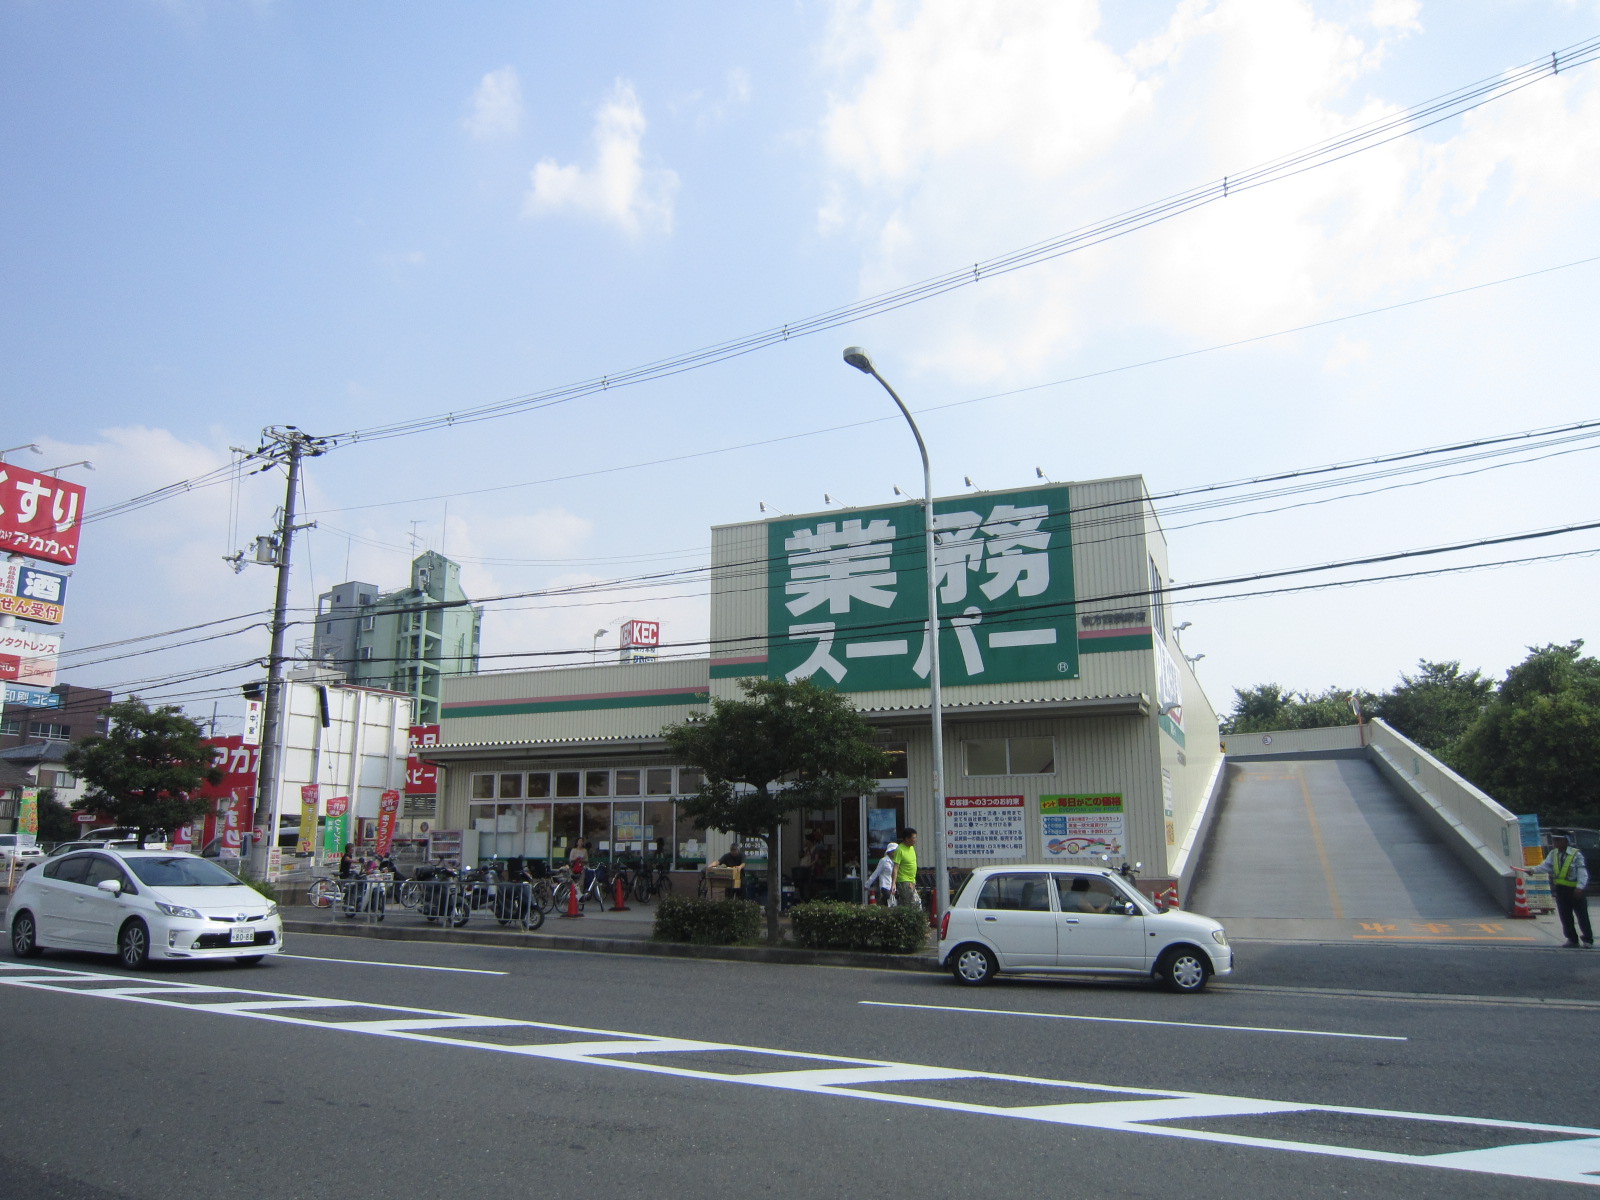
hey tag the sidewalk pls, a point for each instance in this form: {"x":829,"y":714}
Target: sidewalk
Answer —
{"x":609,"y":932}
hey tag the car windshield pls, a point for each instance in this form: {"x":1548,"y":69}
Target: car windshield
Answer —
{"x":181,"y":870}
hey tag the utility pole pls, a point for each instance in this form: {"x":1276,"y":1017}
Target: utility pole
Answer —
{"x":286,"y":445}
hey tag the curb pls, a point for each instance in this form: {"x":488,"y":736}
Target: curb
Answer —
{"x":789,"y":955}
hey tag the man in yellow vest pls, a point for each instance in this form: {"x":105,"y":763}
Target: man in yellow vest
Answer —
{"x":1569,"y":876}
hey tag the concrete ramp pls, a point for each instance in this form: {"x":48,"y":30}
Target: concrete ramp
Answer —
{"x":1325,"y":849}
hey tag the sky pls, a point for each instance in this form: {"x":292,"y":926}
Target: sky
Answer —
{"x":224,"y":216}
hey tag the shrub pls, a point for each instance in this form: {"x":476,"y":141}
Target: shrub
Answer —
{"x":707,"y":922}
{"x":269,"y":890}
{"x":830,"y":925}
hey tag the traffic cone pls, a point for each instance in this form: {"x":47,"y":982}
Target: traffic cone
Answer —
{"x":872,"y":895}
{"x":572,"y":901}
{"x":1169,"y":898}
{"x":622,"y":901}
{"x":1519,"y":901}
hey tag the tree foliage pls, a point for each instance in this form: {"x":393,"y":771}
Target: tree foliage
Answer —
{"x":142,"y":773}
{"x":1268,"y":707}
{"x":783,"y":747}
{"x":55,"y":818}
{"x":1536,"y":745}
{"x":1435,"y":706}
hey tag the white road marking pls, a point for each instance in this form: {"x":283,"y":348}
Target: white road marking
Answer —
{"x":1001,"y":1012}
{"x":367,"y":962}
{"x":1574,"y":1158}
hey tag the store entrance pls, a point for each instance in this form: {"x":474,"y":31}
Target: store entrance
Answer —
{"x":872,"y":821}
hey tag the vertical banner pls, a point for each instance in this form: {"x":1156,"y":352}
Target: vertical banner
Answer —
{"x":28,"y":814}
{"x":252,"y":722}
{"x":388,"y":816}
{"x":422,"y":778}
{"x":310,"y":794}
{"x":336,"y":834}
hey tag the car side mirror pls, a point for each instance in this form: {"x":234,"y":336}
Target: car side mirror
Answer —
{"x":1128,"y":908}
{"x":112,"y":886}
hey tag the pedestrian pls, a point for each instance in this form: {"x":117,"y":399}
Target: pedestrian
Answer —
{"x":577,"y":861}
{"x":347,"y":863}
{"x":805,"y":871}
{"x":905,"y":874}
{"x":880,"y":884}
{"x":1569,"y":876}
{"x":734,"y":859}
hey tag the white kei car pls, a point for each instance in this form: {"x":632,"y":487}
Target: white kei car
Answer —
{"x":142,"y":904}
{"x":1082,"y":920}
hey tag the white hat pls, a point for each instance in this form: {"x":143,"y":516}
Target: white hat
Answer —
{"x":891,"y":847}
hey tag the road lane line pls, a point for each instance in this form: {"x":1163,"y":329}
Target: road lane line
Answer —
{"x":367,"y":962}
{"x":1567,"y":1154}
{"x":1001,"y":1012}
{"x":1322,"y":851}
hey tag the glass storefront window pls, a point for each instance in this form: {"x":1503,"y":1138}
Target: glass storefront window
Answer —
{"x":483,"y":787}
{"x":567,"y":783}
{"x":566,"y":822}
{"x":658,"y":781}
{"x":627,"y":783}
{"x":538,"y":785}
{"x":896,"y":752}
{"x":597,"y":830}
{"x":511,"y":787}
{"x":536,"y":833}
{"x":658,"y":831}
{"x":597,"y":783}
{"x":689,"y":780}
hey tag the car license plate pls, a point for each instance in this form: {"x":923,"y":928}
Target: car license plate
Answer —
{"x":242,"y":933}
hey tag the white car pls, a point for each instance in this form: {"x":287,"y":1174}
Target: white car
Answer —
{"x":1085,"y":920}
{"x":15,"y":846}
{"x":142,"y":904}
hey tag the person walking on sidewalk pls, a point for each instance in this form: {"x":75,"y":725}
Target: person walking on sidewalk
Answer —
{"x":905,"y":869}
{"x":1569,"y":876}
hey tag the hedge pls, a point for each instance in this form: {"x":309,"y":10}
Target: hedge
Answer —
{"x":830,"y":925}
{"x":707,"y":922}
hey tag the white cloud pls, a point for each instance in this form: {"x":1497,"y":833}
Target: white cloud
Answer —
{"x":496,"y":106}
{"x":960,"y":131}
{"x":617,"y":187}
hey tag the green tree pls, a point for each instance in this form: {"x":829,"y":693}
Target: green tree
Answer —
{"x":141,"y":774}
{"x":1435,"y":706}
{"x":55,"y":818}
{"x":1268,"y":707}
{"x":1536,"y":745}
{"x":785,"y":746}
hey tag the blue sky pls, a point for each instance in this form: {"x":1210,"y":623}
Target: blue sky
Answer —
{"x":222,"y":216}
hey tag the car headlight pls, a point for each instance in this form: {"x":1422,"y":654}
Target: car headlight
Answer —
{"x":272,"y":909}
{"x":1219,"y":936}
{"x":178,"y":910}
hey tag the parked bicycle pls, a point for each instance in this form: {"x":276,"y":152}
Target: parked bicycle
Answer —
{"x":652,"y":882}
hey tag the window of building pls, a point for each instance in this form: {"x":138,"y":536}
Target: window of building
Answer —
{"x":483,"y":787}
{"x":627,"y":783}
{"x":538,"y":785}
{"x":690,"y":780}
{"x":658,"y":781}
{"x":511,"y":787}
{"x":367,"y":623}
{"x":897,"y":768}
{"x":56,"y":779}
{"x":568,"y":783}
{"x":366,"y":652}
{"x":597,"y":783}
{"x":10,"y":725}
{"x":45,"y":729}
{"x":1010,"y":756}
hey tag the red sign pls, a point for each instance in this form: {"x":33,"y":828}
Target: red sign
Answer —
{"x":40,"y":515}
{"x":422,"y":777}
{"x":388,"y":816}
{"x":238,"y":764}
{"x":641,"y":633}
{"x":10,"y":666}
{"x":84,"y":818}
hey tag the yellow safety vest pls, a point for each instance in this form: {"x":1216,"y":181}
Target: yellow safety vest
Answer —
{"x":1566,"y":874}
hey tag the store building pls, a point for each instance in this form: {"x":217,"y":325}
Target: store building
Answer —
{"x":1073,"y":725}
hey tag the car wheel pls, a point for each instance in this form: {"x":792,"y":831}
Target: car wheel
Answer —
{"x":1182,"y":969}
{"x":973,"y":965}
{"x":24,"y":936}
{"x":133,"y":945}
{"x":249,"y":960}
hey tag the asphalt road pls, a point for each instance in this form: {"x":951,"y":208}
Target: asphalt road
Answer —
{"x":1304,"y":1077}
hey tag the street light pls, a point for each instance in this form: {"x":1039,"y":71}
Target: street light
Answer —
{"x":594,"y":644}
{"x":25,"y":446}
{"x":857,"y":358}
{"x":82,"y":462}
